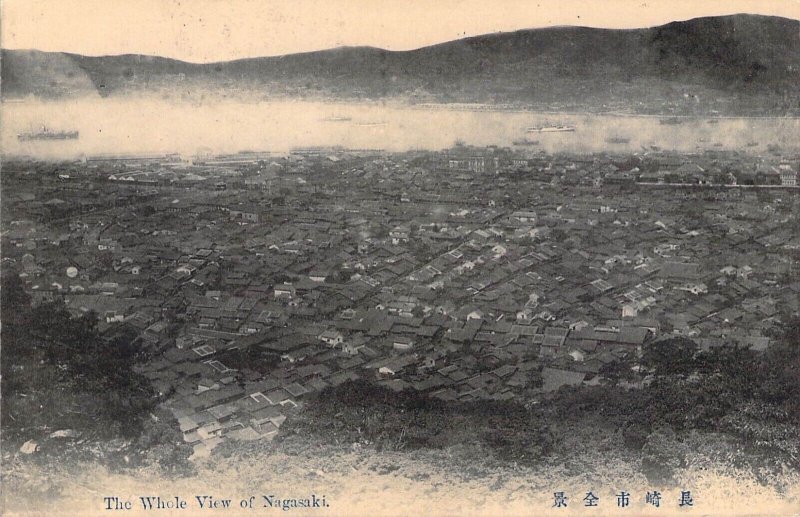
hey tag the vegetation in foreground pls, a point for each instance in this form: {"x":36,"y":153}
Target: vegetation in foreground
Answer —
{"x":70,"y":392}
{"x":722,"y":399}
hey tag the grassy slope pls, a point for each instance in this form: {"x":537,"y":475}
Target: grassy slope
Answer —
{"x":458,"y":480}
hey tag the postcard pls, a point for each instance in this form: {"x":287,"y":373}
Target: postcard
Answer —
{"x":400,"y":258}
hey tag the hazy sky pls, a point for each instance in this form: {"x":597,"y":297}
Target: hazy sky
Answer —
{"x":213,"y":30}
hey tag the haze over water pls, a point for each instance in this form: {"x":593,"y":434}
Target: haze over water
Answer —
{"x":147,"y":125}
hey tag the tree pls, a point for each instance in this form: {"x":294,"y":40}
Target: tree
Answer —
{"x":342,"y":276}
{"x":674,"y":356}
{"x":558,"y":235}
{"x":162,"y":443}
{"x":620,"y":370}
{"x":14,"y":300}
{"x":779,"y":371}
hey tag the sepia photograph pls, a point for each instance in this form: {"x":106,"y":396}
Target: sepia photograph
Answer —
{"x":399,"y":258}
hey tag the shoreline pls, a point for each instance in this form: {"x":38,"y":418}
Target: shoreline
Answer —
{"x":395,"y":103}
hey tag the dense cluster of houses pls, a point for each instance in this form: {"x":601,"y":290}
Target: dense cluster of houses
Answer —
{"x":470,"y":274}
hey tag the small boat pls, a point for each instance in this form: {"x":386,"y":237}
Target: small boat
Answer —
{"x":337,"y":118}
{"x":617,"y":140}
{"x":525,"y":142}
{"x":751,"y":144}
{"x":713,"y":121}
{"x":371,"y":124}
{"x":671,"y":121}
{"x":551,"y":129}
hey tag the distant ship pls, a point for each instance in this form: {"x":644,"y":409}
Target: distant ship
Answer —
{"x":617,"y":140}
{"x":525,"y":142}
{"x":337,"y":118}
{"x":551,"y":129}
{"x":371,"y":124}
{"x":671,"y":121}
{"x":47,"y":134}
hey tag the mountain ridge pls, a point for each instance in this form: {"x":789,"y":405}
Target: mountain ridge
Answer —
{"x":739,"y":61}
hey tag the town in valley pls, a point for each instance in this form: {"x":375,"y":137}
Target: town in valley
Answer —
{"x":253,"y":281}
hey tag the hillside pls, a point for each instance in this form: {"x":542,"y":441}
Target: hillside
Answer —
{"x":740,"y":64}
{"x":361,"y":481}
